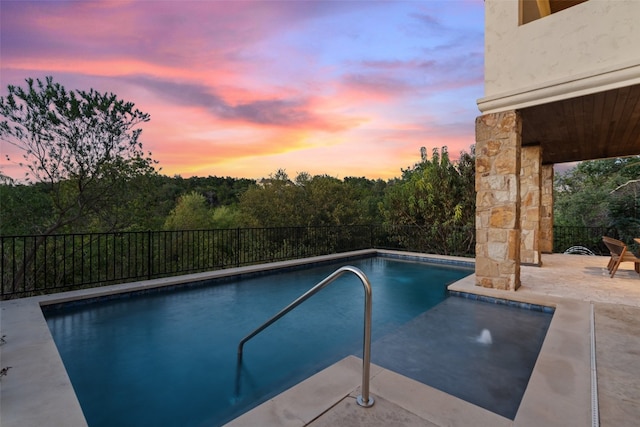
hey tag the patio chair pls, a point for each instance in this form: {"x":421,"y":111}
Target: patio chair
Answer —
{"x":579,"y":250}
{"x":619,"y":254}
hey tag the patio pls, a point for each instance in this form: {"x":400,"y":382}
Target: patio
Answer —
{"x":579,"y":277}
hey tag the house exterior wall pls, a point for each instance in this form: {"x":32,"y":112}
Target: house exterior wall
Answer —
{"x":587,"y":48}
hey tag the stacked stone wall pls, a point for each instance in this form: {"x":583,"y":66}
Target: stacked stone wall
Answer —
{"x":546,"y":213}
{"x":530,"y":196}
{"x":498,"y":164}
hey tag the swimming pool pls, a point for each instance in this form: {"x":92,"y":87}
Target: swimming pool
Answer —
{"x":169,"y":358}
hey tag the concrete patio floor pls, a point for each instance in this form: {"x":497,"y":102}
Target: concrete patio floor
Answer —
{"x":37,"y":391}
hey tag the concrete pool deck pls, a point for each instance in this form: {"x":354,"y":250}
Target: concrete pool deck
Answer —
{"x":37,"y":390}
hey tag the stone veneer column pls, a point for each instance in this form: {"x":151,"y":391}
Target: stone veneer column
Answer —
{"x":498,"y":141}
{"x":546,"y":210}
{"x":530,"y":182}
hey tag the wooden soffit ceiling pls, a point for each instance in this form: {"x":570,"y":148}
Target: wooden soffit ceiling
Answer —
{"x":596,"y":126}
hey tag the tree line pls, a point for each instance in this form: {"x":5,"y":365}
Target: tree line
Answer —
{"x":88,"y":172}
{"x":433,"y":192}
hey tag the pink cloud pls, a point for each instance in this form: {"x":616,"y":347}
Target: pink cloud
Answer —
{"x":244,"y":88}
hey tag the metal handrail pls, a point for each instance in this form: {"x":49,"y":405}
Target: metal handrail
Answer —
{"x":364,"y":399}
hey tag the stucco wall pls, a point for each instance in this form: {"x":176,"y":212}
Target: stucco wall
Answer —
{"x":594,"y":38}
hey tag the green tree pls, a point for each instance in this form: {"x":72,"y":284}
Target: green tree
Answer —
{"x":329,"y":201}
{"x":368,"y":194}
{"x":320,"y":200}
{"x":191,"y":213}
{"x":218,"y":191}
{"x":84,"y":146}
{"x":437,"y":196}
{"x":154,"y":199}
{"x":600,"y":193}
{"x":272,"y":202}
{"x":226,"y":217}
{"x":25,"y":208}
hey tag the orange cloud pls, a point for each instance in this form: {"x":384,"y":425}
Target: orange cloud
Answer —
{"x":245,"y":88}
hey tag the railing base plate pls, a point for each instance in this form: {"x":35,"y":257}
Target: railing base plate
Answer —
{"x":368,"y":404}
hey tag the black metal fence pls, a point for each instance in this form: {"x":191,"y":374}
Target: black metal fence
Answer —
{"x":588,"y":237}
{"x":33,"y":265}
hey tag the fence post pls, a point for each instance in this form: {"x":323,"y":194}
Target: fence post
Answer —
{"x":149,"y":256}
{"x":238,"y":247}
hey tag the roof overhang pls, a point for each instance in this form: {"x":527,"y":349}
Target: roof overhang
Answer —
{"x":595,"y":126}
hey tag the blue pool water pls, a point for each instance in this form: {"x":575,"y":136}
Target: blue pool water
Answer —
{"x":169,"y":358}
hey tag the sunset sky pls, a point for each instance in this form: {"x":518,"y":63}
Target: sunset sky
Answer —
{"x":243,"y":88}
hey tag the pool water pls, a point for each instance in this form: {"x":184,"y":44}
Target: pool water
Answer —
{"x":481,"y":352}
{"x":169,"y":358}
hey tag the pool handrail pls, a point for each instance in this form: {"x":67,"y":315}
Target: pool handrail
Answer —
{"x":364,"y":399}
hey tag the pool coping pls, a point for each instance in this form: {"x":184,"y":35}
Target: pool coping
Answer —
{"x":47,"y":397}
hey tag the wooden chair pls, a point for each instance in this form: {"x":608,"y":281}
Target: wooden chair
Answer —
{"x":619,"y":254}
